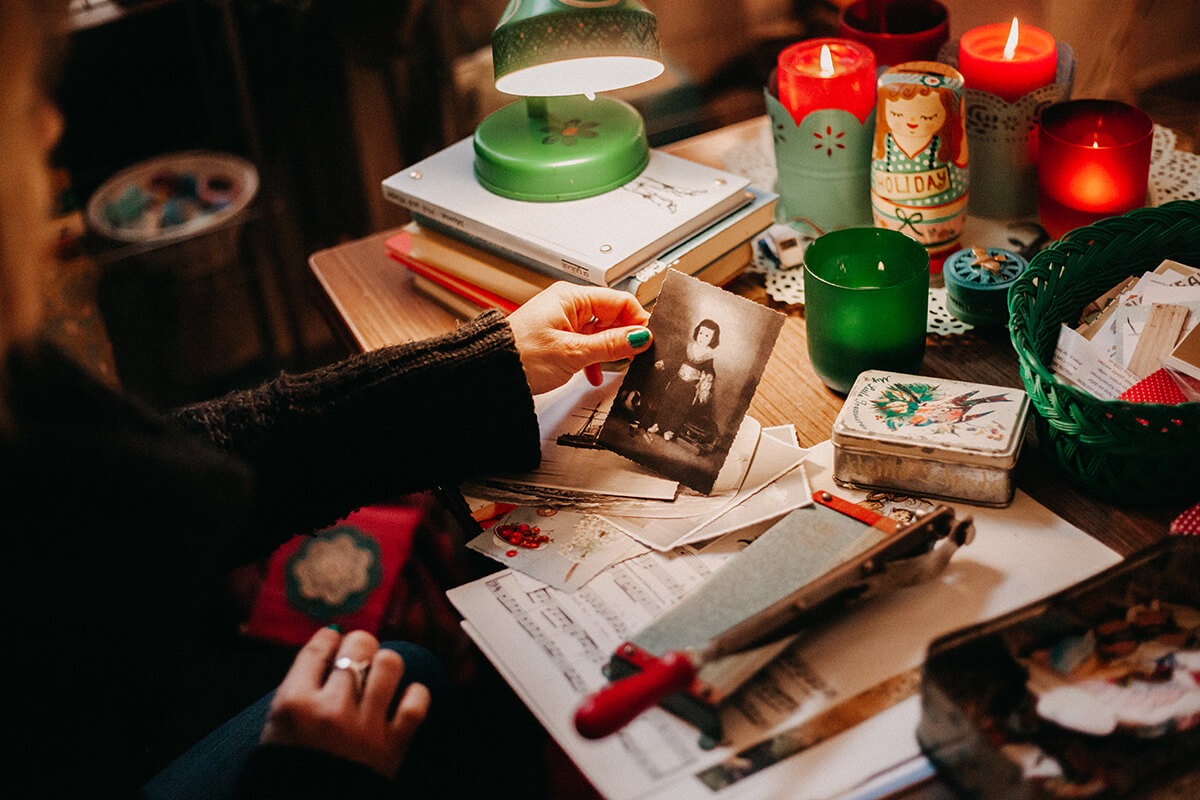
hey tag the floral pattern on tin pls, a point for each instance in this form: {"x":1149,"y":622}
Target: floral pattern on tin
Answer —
{"x":925,"y":405}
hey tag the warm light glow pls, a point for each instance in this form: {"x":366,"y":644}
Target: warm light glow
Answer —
{"x":579,"y":76}
{"x":826,"y":62}
{"x":1091,"y":187}
{"x":1010,"y":49}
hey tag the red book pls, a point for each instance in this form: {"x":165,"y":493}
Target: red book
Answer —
{"x":398,"y":247}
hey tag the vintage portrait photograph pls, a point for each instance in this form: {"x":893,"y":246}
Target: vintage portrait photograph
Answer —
{"x":682,"y":401}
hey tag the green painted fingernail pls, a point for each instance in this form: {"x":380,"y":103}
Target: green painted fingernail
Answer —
{"x":333,"y":626}
{"x":638,"y":338}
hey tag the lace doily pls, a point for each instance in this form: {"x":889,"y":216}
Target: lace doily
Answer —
{"x":1174,"y":175}
{"x":787,"y":286}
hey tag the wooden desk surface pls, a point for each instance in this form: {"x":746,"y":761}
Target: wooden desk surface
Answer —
{"x":371,"y":302}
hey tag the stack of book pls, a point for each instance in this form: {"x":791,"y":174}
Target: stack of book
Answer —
{"x":471,"y":249}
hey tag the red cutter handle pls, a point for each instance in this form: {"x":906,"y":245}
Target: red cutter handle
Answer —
{"x":614,"y":706}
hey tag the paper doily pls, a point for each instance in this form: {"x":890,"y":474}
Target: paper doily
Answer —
{"x":1174,"y":175}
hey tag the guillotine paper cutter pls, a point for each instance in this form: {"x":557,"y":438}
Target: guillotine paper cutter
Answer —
{"x":805,"y":568}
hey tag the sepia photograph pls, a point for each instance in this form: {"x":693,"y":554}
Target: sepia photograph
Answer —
{"x":681,"y":401}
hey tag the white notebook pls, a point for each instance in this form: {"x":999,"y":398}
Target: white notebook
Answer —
{"x":598,"y":239}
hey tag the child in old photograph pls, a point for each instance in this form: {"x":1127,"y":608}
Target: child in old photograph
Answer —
{"x":667,"y":414}
{"x":685,"y":405}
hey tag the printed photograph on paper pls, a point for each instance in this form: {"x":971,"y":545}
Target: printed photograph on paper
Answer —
{"x":682,"y":401}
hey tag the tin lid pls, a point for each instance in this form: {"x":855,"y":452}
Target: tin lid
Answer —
{"x":922,"y":417}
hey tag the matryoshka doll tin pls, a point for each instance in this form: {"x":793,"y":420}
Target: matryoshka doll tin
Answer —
{"x":919,"y":158}
{"x":930,"y":437}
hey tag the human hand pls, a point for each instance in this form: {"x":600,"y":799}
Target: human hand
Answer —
{"x":566,"y":328}
{"x":322,"y":708}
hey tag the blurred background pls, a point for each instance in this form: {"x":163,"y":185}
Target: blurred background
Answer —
{"x":328,"y":97}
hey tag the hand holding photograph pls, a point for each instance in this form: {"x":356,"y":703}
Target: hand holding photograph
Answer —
{"x":683,"y":400}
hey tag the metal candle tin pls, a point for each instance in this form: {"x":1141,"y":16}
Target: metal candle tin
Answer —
{"x":930,"y":437}
{"x":977,"y":281}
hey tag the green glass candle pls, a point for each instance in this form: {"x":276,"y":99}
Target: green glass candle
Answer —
{"x":866,"y":302}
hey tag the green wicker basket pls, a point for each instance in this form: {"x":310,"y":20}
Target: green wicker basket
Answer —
{"x":1126,"y":452}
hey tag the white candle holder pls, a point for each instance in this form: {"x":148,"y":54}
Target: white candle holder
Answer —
{"x":1002,"y":138}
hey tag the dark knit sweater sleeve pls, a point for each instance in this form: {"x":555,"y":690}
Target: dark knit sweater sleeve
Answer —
{"x":377,"y":425}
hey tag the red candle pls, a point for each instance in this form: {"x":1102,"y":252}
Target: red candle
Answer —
{"x":1007,"y":60}
{"x":1094,"y":162}
{"x":897,"y":31}
{"x":826,"y":73}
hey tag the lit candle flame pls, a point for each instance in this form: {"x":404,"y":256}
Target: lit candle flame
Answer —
{"x":826,"y":62}
{"x":1010,"y":49}
{"x":590,"y":95}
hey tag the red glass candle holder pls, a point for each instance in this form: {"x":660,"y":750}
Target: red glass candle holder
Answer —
{"x":1093,"y":162}
{"x":899,"y":31}
{"x":984,"y":68}
{"x":804,"y":86}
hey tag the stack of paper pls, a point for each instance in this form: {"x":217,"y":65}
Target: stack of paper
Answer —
{"x":595,"y":508}
{"x":1133,"y":342}
{"x":550,"y":645}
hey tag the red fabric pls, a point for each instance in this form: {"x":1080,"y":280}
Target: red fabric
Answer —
{"x":1157,"y":387}
{"x":276,"y":618}
{"x":1187,"y":523}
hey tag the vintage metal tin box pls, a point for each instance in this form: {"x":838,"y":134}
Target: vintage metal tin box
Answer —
{"x":930,"y":437}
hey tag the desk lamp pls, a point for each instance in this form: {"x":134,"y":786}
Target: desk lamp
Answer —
{"x":563,"y":142}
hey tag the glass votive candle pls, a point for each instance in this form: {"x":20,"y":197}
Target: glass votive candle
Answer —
{"x":1093,"y":162}
{"x":817,"y":74}
{"x":899,"y":31}
{"x":866,"y":304}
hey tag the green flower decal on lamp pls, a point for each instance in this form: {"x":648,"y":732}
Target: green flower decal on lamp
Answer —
{"x":570,"y":132}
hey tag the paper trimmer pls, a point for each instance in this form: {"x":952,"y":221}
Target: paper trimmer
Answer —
{"x":809,"y":565}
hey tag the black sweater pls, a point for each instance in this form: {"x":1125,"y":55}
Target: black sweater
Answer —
{"x":121,"y":523}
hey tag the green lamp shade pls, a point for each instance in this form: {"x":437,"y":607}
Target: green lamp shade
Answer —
{"x":560,"y":47}
{"x":563,"y":143}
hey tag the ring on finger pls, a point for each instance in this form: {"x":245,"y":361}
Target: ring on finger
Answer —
{"x":357,"y":669}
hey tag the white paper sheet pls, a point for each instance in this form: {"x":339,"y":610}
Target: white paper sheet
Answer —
{"x":786,"y":493}
{"x":570,"y":410}
{"x":578,"y":546}
{"x":772,"y":459}
{"x":550,"y":646}
{"x":1081,"y":363}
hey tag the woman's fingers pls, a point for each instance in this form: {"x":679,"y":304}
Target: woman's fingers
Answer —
{"x":351,"y":664}
{"x":312,"y":662}
{"x":411,"y":711}
{"x":387,"y":668}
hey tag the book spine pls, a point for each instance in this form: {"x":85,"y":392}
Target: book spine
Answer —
{"x":493,"y":239}
{"x":478,"y":296}
{"x":460,"y":260}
